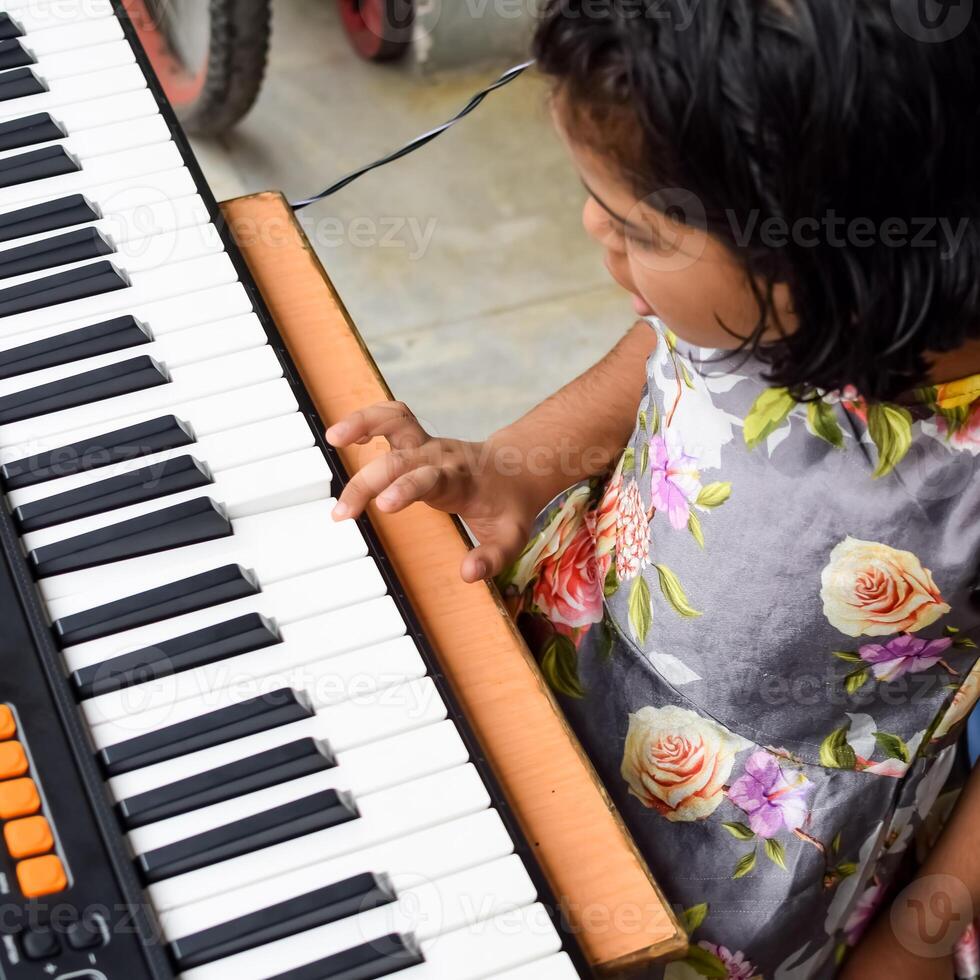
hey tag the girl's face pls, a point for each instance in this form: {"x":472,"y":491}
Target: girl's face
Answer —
{"x":674,"y":271}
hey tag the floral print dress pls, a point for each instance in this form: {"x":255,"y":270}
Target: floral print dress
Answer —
{"x":762,"y":629}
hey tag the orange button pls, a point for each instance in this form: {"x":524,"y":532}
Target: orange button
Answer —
{"x":28,"y":837}
{"x":8,"y":726}
{"x":18,"y":798}
{"x":13,"y":760}
{"x":42,"y":876}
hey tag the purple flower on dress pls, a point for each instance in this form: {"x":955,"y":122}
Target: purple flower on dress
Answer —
{"x":738,"y":967}
{"x":903,"y":655}
{"x":675,"y":480}
{"x":771,"y":798}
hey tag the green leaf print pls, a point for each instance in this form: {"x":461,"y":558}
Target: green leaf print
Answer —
{"x":739,"y":830}
{"x":824,"y":423}
{"x":846,"y":868}
{"x":775,"y":852}
{"x":611,"y":583}
{"x":654,"y":423}
{"x":606,"y":640}
{"x":560,"y":668}
{"x":769,"y":412}
{"x":694,"y":917}
{"x":694,"y":526}
{"x":892,"y":746}
{"x":643,"y":421}
{"x":629,"y":460}
{"x":856,"y":680}
{"x":835,"y":843}
{"x":640,"y":609}
{"x":705,"y":963}
{"x":836,"y":753}
{"x":714,"y":494}
{"x":851,"y":658}
{"x":745,"y":865}
{"x":644,"y":458}
{"x":890,"y":427}
{"x":674,"y":592}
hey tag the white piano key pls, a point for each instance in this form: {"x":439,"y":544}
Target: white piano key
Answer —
{"x":204,"y":417}
{"x":286,"y":602}
{"x":222,"y":451}
{"x":127,"y":193}
{"x":105,"y":111}
{"x":146,"y":221}
{"x":73,"y":91}
{"x":114,"y":138}
{"x":425,"y":911}
{"x":140,"y":256}
{"x":342,"y":726}
{"x":435,"y":852}
{"x":277,"y":545}
{"x":172,"y":351}
{"x":193,"y":381}
{"x":521,"y":937}
{"x":145,"y":287}
{"x":556,"y":967}
{"x":75,"y":49}
{"x":257,"y":488}
{"x":369,"y":769}
{"x":45,"y":15}
{"x":162,"y":317}
{"x":334,"y":665}
{"x":126,"y":164}
{"x":387,"y":815}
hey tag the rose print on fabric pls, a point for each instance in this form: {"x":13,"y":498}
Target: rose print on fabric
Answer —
{"x":677,"y":762}
{"x":957,"y":414}
{"x":871,"y":589}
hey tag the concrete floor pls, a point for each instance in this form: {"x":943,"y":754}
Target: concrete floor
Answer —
{"x":464,"y":265}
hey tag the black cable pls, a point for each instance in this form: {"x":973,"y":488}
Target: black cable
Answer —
{"x":419,"y":141}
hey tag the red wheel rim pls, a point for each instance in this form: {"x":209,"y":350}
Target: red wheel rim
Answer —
{"x":181,"y":84}
{"x":377,"y":28}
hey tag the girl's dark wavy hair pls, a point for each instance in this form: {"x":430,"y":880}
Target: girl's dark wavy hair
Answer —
{"x":797,"y":109}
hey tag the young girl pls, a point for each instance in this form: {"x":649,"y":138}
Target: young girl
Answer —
{"x":752,"y":586}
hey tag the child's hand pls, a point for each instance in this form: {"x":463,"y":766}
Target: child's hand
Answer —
{"x":464,"y":478}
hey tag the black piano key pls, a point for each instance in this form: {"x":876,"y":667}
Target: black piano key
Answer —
{"x":148,"y":483}
{"x":272,"y":710}
{"x":377,"y":958}
{"x":121,"y":378}
{"x":49,"y":161}
{"x":120,"y":333}
{"x":144,"y":439}
{"x":287,"y":822}
{"x":64,"y":212}
{"x":270,"y":768}
{"x":28,"y":130}
{"x":73,"y":246}
{"x":243,"y":634}
{"x":183,"y":524}
{"x":316,"y":908}
{"x":13,"y":54}
{"x":19,"y":83}
{"x":62,"y":287}
{"x":202,"y":591}
{"x":9,"y":28}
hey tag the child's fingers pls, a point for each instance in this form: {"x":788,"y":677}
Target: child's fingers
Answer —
{"x":373,"y":479}
{"x":489,"y":560}
{"x":427,"y":483}
{"x":393,"y":420}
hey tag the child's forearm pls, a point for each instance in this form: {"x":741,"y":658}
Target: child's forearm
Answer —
{"x":579,"y":431}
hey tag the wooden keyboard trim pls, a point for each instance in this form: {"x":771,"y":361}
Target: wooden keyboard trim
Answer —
{"x":607,"y":893}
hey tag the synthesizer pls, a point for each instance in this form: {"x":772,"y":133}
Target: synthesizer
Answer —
{"x":227,"y":749}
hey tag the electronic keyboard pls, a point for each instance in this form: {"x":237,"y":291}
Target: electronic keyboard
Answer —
{"x":227,"y":748}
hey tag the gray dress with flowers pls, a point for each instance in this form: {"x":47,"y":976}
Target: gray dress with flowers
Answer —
{"x":762,"y":629}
